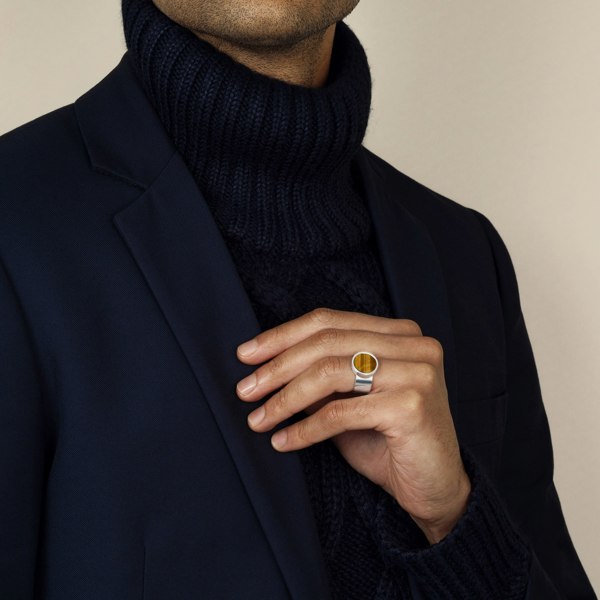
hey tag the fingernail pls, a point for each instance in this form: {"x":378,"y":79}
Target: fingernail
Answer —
{"x":248,"y":348}
{"x":246,"y":385}
{"x":279,"y":439}
{"x":255,"y":417}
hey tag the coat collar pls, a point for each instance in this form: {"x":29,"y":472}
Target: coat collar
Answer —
{"x":175,"y":242}
{"x":411,"y":266}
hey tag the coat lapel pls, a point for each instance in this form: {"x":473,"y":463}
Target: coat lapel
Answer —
{"x":175,"y":242}
{"x":410,"y":264}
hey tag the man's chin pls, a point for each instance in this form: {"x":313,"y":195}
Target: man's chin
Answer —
{"x":265,"y":33}
{"x":257,"y":23}
{"x":262,"y":39}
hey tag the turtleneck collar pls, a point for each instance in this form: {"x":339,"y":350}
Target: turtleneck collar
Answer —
{"x":272,"y":159}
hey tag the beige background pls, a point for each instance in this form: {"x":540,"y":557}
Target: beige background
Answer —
{"x":494,"y":105}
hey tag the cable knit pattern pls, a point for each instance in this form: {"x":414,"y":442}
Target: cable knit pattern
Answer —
{"x":274,"y":163}
{"x":482,"y":557}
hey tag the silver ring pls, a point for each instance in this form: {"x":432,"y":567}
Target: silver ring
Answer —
{"x":364,"y":365}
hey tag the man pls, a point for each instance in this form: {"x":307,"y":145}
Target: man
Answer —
{"x":242,"y":357}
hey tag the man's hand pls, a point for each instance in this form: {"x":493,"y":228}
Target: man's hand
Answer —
{"x":400,"y":435}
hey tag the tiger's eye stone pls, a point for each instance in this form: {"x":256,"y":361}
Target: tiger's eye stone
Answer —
{"x":364,"y":363}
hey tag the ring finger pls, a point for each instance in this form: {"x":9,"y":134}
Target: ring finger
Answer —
{"x":293,"y":361}
{"x":325,"y":377}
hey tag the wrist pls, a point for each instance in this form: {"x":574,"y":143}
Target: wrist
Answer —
{"x":437,"y":529}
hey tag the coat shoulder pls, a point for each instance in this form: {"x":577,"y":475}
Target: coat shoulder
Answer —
{"x":414,"y":195}
{"x":445,"y":219}
{"x":40,"y":146}
{"x":39,"y":158}
{"x":470,"y":248}
{"x":47,"y":180}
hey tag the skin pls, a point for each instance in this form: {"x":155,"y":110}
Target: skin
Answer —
{"x":401,"y":435}
{"x":290,"y":40}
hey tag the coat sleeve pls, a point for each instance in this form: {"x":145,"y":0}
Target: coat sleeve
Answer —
{"x":21,"y":449}
{"x":526,"y":483}
{"x":512,"y":542}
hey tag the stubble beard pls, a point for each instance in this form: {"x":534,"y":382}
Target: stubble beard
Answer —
{"x":265,"y":24}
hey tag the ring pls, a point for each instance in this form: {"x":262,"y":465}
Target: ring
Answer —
{"x":364,"y":365}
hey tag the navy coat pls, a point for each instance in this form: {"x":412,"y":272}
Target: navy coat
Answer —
{"x":127,"y":469}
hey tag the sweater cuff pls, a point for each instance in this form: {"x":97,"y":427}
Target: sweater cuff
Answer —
{"x":484,"y":556}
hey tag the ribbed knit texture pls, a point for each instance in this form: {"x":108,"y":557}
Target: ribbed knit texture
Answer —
{"x":274,"y":163}
{"x":273,"y":160}
{"x":484,"y":556}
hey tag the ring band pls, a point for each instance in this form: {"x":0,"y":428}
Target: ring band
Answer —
{"x":364,"y":365}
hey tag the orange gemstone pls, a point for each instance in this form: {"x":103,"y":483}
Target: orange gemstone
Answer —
{"x":364,"y":363}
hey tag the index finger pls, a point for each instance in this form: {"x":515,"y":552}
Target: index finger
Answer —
{"x":274,"y":341}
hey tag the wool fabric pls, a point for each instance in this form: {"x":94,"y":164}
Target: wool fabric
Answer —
{"x":274,"y":162}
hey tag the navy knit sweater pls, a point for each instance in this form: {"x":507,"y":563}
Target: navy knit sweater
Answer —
{"x":275,"y":164}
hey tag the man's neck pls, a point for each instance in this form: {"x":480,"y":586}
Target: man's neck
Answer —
{"x":305,"y":63}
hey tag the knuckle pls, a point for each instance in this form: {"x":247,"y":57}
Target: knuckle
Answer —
{"x":328,"y":337}
{"x":365,"y":407}
{"x":276,"y":365}
{"x":302,"y":432}
{"x":323,"y":315}
{"x":412,"y":327}
{"x":278,"y":333}
{"x":434,"y":349}
{"x":412,"y":403}
{"x":428,"y":375}
{"x":328,"y":366}
{"x":334,"y":412}
{"x":279,"y":401}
